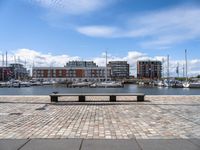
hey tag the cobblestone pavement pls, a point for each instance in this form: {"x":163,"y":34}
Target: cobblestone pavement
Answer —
{"x":161,"y":117}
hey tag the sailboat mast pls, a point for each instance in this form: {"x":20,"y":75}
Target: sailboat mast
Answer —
{"x":168,"y":67}
{"x":2,"y":67}
{"x":186,"y":84}
{"x":177,"y":70}
{"x":2,"y":60}
{"x":163,"y":67}
{"x":106,"y":68}
{"x":6,"y":58}
{"x":186,"y":65}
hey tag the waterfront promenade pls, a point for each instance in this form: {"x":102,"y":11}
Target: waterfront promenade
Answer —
{"x":160,"y":117}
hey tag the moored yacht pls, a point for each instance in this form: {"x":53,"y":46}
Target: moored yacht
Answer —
{"x":109,"y":84}
{"x":25,"y":84}
{"x":81,"y":84}
{"x":186,"y":84}
{"x":191,"y":85}
{"x":160,"y":84}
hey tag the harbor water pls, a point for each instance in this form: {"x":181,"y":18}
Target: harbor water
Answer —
{"x":46,"y":90}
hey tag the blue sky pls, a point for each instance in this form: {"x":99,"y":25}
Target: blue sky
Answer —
{"x":47,"y":30}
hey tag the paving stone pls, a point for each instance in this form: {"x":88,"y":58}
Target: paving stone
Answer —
{"x":11,"y":144}
{"x":169,"y":144}
{"x":195,"y":141}
{"x":109,"y":145}
{"x":53,"y":144}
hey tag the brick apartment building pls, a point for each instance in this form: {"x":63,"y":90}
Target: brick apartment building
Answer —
{"x":149,"y":69}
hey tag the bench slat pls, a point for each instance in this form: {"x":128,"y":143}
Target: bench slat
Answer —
{"x":99,"y":94}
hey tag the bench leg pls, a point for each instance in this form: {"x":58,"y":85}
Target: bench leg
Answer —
{"x":140,"y":98}
{"x":54,"y":98}
{"x":81,"y":98}
{"x":112,"y":98}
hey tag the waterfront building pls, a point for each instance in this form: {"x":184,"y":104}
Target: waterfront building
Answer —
{"x":5,"y":73}
{"x":119,"y":69}
{"x":19,"y":72}
{"x":13,"y":71}
{"x":49,"y":73}
{"x":74,"y":71}
{"x":149,"y":69}
{"x":87,"y":73}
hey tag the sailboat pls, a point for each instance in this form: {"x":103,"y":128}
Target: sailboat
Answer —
{"x":166,"y":82}
{"x":191,"y":84}
{"x":106,"y":83}
{"x":194,"y":85}
{"x":186,"y":84}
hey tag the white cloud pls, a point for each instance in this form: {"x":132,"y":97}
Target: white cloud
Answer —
{"x":156,"y":29}
{"x":159,"y":29}
{"x":46,"y":60}
{"x":73,"y":6}
{"x":40,"y":59}
{"x":98,"y":31}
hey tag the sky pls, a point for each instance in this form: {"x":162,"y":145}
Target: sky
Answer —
{"x":52,"y":32}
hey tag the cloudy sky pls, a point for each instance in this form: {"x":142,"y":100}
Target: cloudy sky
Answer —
{"x":52,"y":32}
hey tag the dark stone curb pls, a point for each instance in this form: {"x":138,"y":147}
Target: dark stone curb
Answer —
{"x":99,"y":144}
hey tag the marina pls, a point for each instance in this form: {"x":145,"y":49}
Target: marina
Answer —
{"x":99,"y":75}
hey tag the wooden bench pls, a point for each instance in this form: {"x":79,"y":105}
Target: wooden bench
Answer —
{"x":81,"y":96}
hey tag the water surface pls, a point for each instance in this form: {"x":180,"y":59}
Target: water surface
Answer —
{"x":46,"y":90}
